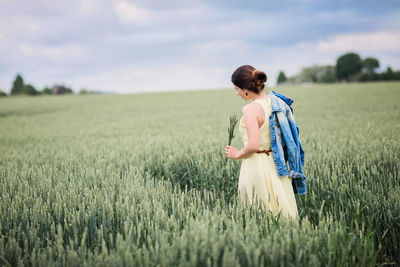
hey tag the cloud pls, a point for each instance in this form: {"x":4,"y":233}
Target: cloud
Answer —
{"x":374,"y":41}
{"x":156,"y":78}
{"x":90,"y":7}
{"x":129,"y":12}
{"x":53,"y":53}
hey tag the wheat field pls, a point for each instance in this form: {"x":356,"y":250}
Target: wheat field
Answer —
{"x":142,"y":180}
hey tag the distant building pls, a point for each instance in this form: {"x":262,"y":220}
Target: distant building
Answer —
{"x":61,"y":89}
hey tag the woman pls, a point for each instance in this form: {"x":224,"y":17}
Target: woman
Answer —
{"x":259,"y":180}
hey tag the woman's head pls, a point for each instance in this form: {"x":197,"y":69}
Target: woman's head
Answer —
{"x":247,"y":77}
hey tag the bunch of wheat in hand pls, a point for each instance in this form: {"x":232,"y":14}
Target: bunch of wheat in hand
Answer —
{"x":231,"y":130}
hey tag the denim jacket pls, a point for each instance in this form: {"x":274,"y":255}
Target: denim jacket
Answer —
{"x":285,"y":142}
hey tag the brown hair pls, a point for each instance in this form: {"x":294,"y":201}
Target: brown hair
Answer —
{"x":248,"y":77}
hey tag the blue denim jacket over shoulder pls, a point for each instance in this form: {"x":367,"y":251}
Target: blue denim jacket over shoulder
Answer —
{"x":285,"y":142}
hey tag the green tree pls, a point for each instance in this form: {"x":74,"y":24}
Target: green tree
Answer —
{"x":370,"y":64}
{"x":347,"y":66}
{"x":319,"y":74}
{"x":369,"y":76}
{"x":18,"y":85}
{"x":47,"y":91}
{"x":2,"y":93}
{"x":388,"y":74}
{"x":309,"y":74}
{"x":281,"y":77}
{"x":30,"y":89}
{"x":306,"y":75}
{"x":326,"y":74}
{"x":85,"y":91}
{"x":396,"y":75}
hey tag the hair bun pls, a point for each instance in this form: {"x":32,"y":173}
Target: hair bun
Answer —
{"x":259,"y":77}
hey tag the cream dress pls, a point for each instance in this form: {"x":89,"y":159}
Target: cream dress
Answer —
{"x":258,"y":173}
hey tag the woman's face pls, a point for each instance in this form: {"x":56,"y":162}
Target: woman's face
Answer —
{"x":242,"y":93}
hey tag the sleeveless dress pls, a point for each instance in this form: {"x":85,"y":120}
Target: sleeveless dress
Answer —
{"x":258,"y":176}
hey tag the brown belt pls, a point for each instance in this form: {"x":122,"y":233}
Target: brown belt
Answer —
{"x":264,"y":151}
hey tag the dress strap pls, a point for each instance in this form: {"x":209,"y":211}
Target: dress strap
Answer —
{"x":269,"y":103}
{"x":266,"y":104}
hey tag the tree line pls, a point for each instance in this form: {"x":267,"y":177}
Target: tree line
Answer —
{"x":349,"y":67}
{"x":19,"y":87}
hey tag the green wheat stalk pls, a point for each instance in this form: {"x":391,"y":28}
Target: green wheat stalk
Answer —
{"x":231,"y":130}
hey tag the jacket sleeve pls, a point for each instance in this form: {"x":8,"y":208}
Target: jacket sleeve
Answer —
{"x":282,"y":143}
{"x":291,"y":148}
{"x":296,"y":137}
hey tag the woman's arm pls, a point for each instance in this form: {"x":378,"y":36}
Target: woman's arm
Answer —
{"x":250,"y":119}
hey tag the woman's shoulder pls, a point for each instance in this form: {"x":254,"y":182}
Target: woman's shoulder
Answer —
{"x":253,"y":106}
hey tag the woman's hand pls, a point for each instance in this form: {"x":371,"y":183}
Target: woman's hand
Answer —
{"x":232,"y":152}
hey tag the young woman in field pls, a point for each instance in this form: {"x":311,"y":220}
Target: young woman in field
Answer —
{"x":258,"y":178}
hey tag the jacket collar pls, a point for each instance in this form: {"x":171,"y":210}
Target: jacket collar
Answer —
{"x":276,"y":98}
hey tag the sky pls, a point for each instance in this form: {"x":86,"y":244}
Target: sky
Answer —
{"x":127,"y":46}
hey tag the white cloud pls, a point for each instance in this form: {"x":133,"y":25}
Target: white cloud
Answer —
{"x":27,"y":49}
{"x":33,"y":27}
{"x":87,"y":7}
{"x":55,"y":53}
{"x":375,"y":41}
{"x":52,"y":53}
{"x":129,"y":12}
{"x":146,"y":38}
{"x":156,"y":78}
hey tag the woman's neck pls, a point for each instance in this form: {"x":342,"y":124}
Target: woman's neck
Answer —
{"x":261,"y":95}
